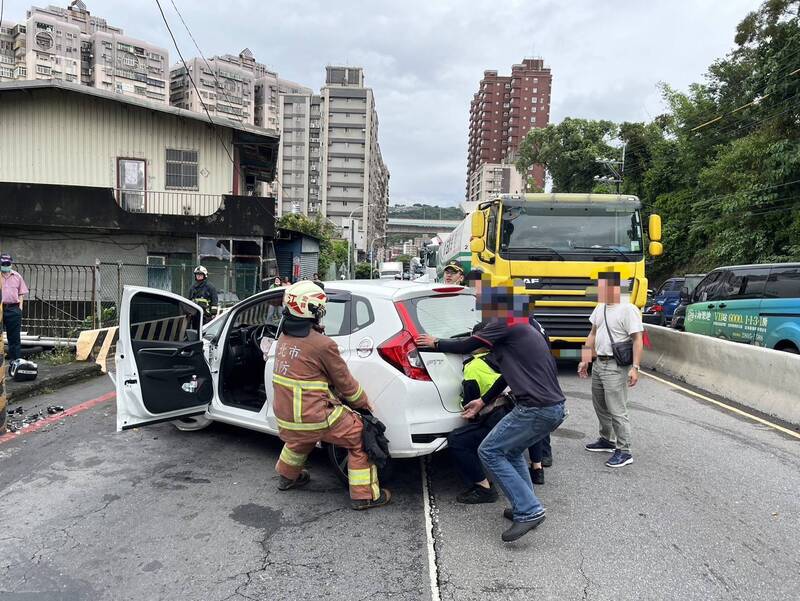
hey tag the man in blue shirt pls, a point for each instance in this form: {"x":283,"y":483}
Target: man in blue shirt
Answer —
{"x":525,"y":362}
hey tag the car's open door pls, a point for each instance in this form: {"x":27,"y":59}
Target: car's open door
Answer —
{"x":162,"y":373}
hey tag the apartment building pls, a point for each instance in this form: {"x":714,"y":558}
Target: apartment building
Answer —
{"x":330,"y":161}
{"x":298,"y":177}
{"x":225,"y":87}
{"x":269,"y":88}
{"x":502,"y":111}
{"x":70,"y":44}
{"x":491,"y":179}
{"x":355,"y":179}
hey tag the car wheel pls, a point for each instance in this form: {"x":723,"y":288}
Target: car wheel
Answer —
{"x":192,"y":424}
{"x":786,"y":348}
{"x":337,"y":456}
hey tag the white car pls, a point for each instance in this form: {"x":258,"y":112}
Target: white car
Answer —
{"x":167,"y":371}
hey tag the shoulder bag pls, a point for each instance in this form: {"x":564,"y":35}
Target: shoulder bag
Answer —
{"x":622,"y":351}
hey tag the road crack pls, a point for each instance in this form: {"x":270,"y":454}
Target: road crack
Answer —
{"x":587,"y":581}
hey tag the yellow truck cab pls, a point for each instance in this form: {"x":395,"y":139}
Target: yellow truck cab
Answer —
{"x":553,"y":246}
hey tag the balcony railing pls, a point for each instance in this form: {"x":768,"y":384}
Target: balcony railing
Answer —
{"x":168,"y":202}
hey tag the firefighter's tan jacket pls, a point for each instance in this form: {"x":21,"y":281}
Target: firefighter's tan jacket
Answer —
{"x":310,"y":380}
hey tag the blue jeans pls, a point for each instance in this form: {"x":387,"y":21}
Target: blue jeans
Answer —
{"x":12,"y":321}
{"x":501,"y":453}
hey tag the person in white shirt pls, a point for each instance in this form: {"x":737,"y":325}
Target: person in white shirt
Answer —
{"x":610,"y":381}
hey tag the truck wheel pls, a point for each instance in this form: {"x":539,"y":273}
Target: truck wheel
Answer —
{"x":337,"y":456}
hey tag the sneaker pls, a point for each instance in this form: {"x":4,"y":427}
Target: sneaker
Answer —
{"x":547,"y":462}
{"x":601,"y":446}
{"x":537,"y":475}
{"x":285,"y":483}
{"x":620,"y":459}
{"x":478,"y":494}
{"x":383,"y":499}
{"x":519,"y":529}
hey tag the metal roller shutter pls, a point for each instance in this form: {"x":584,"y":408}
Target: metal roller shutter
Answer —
{"x":309,"y":265}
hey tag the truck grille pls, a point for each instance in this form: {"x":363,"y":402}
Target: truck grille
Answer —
{"x":564,"y":321}
{"x":545,"y":289}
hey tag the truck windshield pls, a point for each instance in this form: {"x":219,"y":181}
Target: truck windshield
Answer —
{"x":580,"y":232}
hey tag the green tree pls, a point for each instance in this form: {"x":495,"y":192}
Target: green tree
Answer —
{"x":362,"y":271}
{"x":569,"y":152}
{"x":405,"y":260}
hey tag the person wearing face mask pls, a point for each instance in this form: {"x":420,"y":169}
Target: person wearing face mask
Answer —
{"x":14,"y":292}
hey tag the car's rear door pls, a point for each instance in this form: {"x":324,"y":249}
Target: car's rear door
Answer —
{"x":444,"y":313}
{"x":162,"y":371}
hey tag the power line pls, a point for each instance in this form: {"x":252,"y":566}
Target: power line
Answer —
{"x":216,"y":79}
{"x":202,"y":102}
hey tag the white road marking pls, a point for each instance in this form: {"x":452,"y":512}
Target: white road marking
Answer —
{"x":730,"y":408}
{"x":432,"y":569}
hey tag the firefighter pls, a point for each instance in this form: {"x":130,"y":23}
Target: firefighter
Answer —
{"x":311,"y":381}
{"x":203,"y":292}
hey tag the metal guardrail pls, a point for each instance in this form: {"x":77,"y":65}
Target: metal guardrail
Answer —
{"x":64,"y":300}
{"x":168,"y":202}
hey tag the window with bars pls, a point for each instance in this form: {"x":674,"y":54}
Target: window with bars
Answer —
{"x":181,"y":169}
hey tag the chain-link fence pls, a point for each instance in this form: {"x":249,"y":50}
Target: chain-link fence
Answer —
{"x":65,"y":299}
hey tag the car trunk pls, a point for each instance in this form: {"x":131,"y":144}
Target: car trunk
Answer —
{"x":446,"y":313}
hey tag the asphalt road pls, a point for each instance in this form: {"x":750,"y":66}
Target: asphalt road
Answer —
{"x":709,"y":510}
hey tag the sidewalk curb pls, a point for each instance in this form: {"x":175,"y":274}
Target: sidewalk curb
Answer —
{"x":90,"y":370}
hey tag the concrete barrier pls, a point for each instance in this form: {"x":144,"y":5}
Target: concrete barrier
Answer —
{"x":759,"y":378}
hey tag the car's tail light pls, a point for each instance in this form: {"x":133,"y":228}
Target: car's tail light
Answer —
{"x":401,"y":352}
{"x":656,"y":308}
{"x":449,"y":289}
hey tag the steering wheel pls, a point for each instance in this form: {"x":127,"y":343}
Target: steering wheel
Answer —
{"x":260,"y":331}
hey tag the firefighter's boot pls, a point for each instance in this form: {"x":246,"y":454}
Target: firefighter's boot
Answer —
{"x":384,"y":499}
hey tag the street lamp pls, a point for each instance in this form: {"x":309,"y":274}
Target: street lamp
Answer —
{"x":371,"y":243}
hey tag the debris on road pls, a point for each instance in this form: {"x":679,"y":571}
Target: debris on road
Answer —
{"x":19,"y":419}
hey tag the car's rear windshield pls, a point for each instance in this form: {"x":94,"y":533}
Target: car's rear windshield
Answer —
{"x":444,"y":316}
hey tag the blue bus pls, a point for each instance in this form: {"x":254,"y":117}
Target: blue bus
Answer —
{"x":753,"y":304}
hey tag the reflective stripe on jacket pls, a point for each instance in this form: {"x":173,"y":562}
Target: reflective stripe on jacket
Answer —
{"x":310,"y":379}
{"x":480,"y":371}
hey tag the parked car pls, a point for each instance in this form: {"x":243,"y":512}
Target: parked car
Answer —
{"x":679,"y":314}
{"x":167,"y":371}
{"x":661,"y":305}
{"x":753,"y":304}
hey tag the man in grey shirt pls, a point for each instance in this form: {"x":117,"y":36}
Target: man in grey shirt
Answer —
{"x":610,"y":382}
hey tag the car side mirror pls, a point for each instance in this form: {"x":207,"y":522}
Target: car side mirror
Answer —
{"x":192,"y":335}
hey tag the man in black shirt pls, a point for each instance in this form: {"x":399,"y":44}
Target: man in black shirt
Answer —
{"x":525,"y":362}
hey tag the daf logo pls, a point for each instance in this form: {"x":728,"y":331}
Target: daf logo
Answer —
{"x":531,"y":280}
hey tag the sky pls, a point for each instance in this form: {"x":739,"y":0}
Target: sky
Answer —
{"x":424,"y":59}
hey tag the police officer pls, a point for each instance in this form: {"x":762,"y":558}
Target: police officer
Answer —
{"x":454,"y":274}
{"x":203,"y":292}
